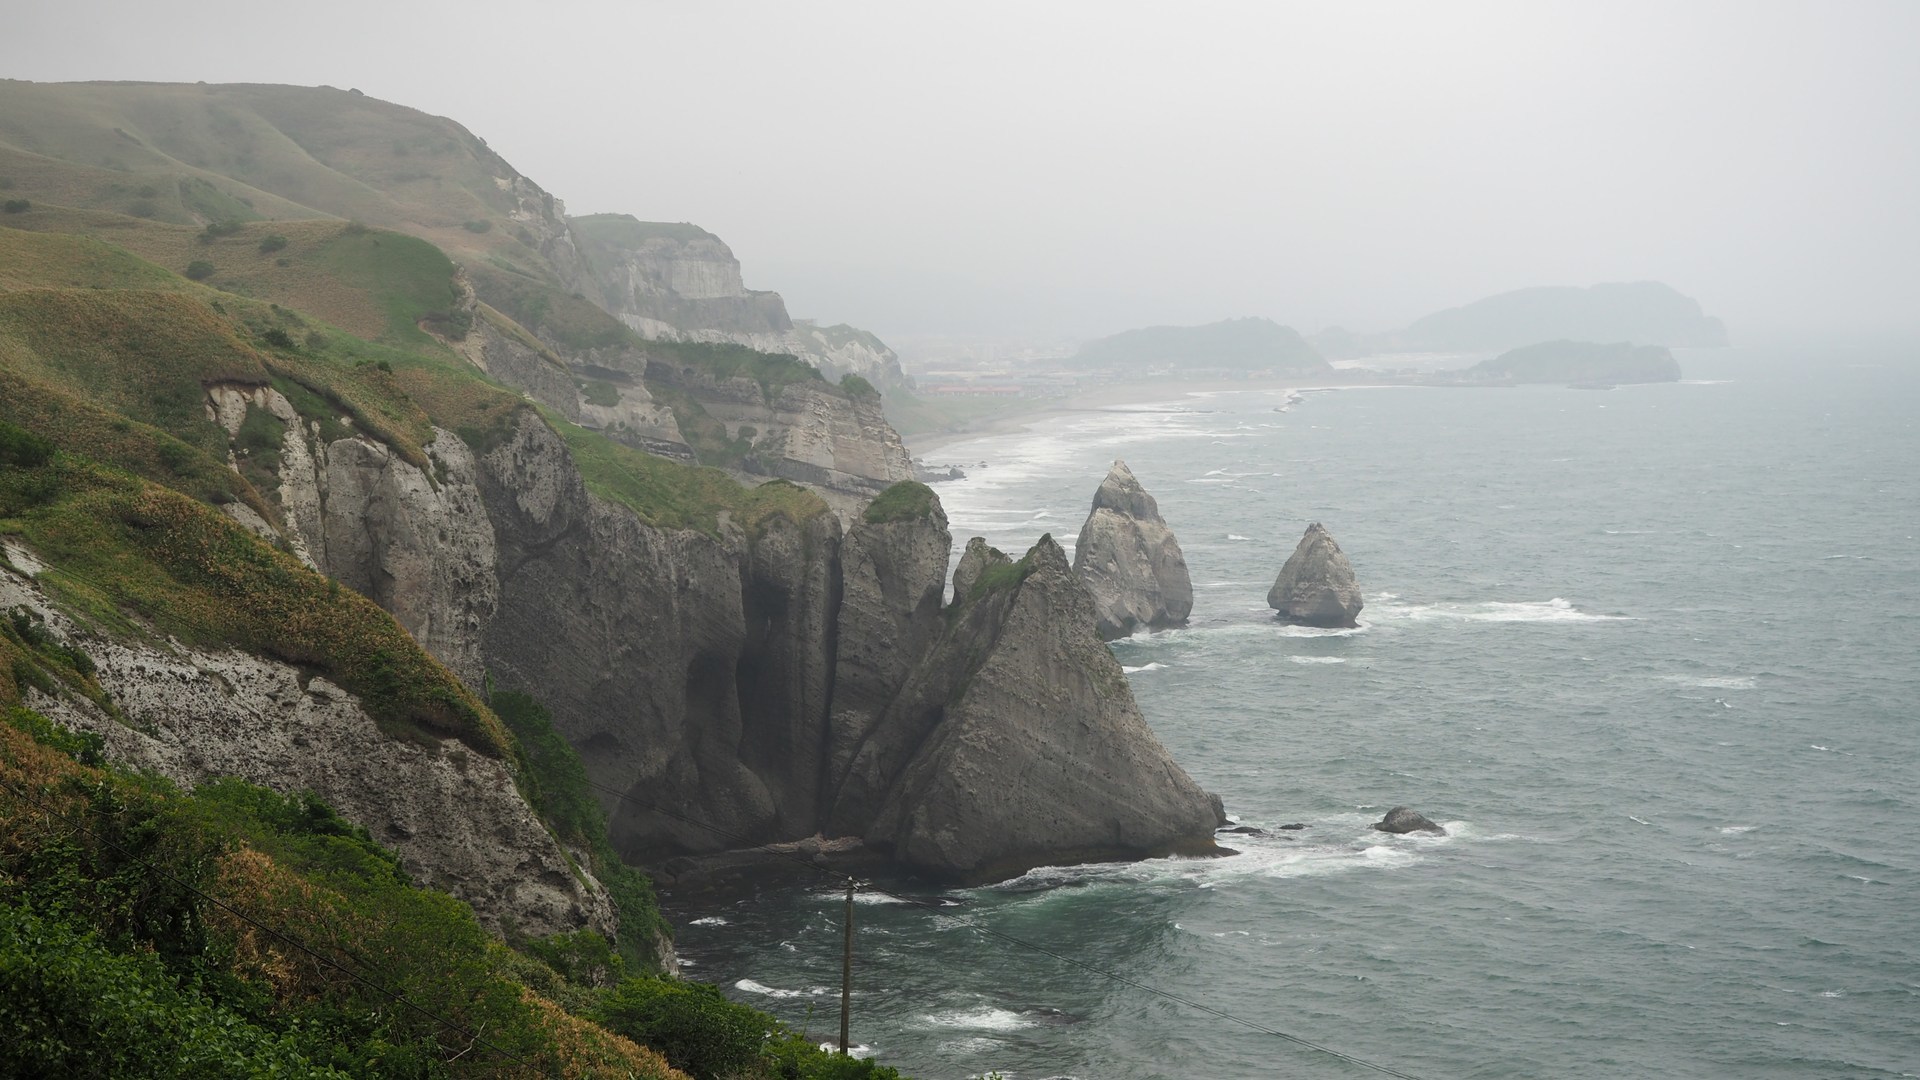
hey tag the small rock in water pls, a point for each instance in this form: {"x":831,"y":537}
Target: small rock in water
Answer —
{"x":1244,"y":830}
{"x":1295,"y":825}
{"x":1401,"y":819}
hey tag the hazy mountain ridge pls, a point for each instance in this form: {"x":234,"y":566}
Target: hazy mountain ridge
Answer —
{"x":1644,"y":312}
{"x":1238,"y":345}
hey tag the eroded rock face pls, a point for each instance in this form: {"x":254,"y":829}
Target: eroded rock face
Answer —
{"x":894,"y":575}
{"x":977,"y":559}
{"x":1129,"y":560}
{"x":1403,"y":820}
{"x":691,"y":671}
{"x":1019,"y":744}
{"x":1316,"y":586}
{"x":453,"y":816}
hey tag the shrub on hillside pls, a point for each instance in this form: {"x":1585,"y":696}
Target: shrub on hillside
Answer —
{"x":17,"y":206}
{"x":477,"y":226}
{"x":218,"y":229}
{"x":692,"y":1023}
{"x":272,"y":243}
{"x":21,"y":447}
{"x":199,"y":270}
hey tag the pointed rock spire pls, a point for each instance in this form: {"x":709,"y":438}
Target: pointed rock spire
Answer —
{"x":1129,"y":560}
{"x":1316,"y":586}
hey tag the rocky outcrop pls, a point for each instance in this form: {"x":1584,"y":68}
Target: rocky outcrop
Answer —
{"x":806,"y":431}
{"x":1316,"y":586}
{"x":691,"y":670}
{"x":1016,"y":742}
{"x":975,"y":562}
{"x":679,"y":282}
{"x":1129,"y":560}
{"x":893,"y":573}
{"x":453,"y":816}
{"x":1403,"y":820}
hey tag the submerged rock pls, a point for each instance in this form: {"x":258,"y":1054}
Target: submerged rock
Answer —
{"x":1129,"y":560}
{"x":1401,"y":819}
{"x":1316,"y":585}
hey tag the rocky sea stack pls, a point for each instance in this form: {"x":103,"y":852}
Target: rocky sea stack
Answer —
{"x":1015,"y":742}
{"x":1316,"y":586}
{"x":1129,"y":560}
{"x":1403,"y":820}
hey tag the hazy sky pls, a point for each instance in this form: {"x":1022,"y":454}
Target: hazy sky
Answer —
{"x":1081,"y":168}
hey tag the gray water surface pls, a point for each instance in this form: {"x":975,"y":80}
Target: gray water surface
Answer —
{"x":1650,"y":655}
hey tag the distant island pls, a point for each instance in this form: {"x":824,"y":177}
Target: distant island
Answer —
{"x":1237,"y":346}
{"x":1577,"y":363}
{"x":1642,"y":311}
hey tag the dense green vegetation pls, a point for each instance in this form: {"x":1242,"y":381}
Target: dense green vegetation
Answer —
{"x":234,"y":931}
{"x":677,"y":496}
{"x":908,"y":500}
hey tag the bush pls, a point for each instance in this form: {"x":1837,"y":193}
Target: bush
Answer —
{"x":218,"y":229}
{"x":277,"y":338}
{"x":17,"y":206}
{"x":199,"y":270}
{"x":144,"y":208}
{"x":272,"y":243}
{"x":71,"y":1007}
{"x":858,"y":388}
{"x":23,"y":448}
{"x":908,"y":500}
{"x":477,"y":226}
{"x":692,"y":1023}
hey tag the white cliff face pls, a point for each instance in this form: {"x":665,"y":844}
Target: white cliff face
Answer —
{"x":680,"y":283}
{"x":420,"y":546}
{"x":453,"y":816}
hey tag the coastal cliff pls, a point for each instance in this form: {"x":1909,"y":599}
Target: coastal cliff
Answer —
{"x":679,"y":282}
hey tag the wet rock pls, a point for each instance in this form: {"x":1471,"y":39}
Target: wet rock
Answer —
{"x":1401,"y":819}
{"x":1316,"y":586}
{"x":1130,"y":561}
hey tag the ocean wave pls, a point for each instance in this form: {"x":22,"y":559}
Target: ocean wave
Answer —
{"x":987,"y":1019}
{"x":1150,"y":666}
{"x":710,"y":920}
{"x":1557,"y":609}
{"x":1318,"y":659}
{"x":1237,"y":536}
{"x":752,"y":987}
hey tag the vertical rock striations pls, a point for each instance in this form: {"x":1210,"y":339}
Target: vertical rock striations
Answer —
{"x":1129,"y":560}
{"x":1316,"y":586}
{"x":1016,"y":742}
{"x":893,"y":573}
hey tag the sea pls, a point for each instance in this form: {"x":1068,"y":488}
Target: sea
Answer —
{"x":1651,"y":655}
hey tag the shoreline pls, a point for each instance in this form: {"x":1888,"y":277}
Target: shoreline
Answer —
{"x":1103,"y":398}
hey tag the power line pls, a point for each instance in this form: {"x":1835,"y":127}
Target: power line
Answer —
{"x":472,"y":1038}
{"x":870,"y":887}
{"x":1017,"y":941}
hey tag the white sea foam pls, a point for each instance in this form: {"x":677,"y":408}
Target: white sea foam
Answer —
{"x":1237,"y":536}
{"x":1556,"y":610}
{"x":710,"y":920}
{"x":1150,"y":666}
{"x":751,"y":987}
{"x":988,"y":1019}
{"x":1735,"y":830}
{"x":1318,"y":659}
{"x":1642,"y":821}
{"x":1713,"y":682}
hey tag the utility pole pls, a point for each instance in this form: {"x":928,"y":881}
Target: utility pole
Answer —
{"x":846,"y":971}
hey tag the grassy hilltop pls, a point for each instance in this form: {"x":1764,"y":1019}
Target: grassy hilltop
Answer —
{"x":165,"y":239}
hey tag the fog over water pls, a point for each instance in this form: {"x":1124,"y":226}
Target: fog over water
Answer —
{"x":1081,"y":168}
